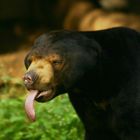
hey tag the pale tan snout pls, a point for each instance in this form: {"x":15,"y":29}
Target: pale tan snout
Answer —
{"x":39,"y":75}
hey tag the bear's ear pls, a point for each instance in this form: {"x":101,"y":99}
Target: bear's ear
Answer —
{"x":93,"y":52}
{"x":94,"y":45}
{"x":87,"y":56}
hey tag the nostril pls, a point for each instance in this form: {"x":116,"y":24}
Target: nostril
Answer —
{"x":28,"y":79}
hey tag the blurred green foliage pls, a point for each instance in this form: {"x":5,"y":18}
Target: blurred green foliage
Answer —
{"x":56,"y":120}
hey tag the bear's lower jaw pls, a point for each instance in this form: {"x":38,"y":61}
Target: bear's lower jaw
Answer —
{"x":44,"y":96}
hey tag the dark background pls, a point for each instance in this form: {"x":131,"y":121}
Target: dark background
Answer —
{"x":22,"y":21}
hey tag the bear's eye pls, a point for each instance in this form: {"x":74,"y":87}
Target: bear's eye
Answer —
{"x":57,"y":62}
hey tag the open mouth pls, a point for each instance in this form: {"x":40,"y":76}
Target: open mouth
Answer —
{"x":38,"y":96}
{"x":43,"y":96}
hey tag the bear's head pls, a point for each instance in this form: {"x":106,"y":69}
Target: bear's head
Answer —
{"x":57,"y":63}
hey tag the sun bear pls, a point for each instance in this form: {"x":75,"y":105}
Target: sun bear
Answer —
{"x":100,"y":71}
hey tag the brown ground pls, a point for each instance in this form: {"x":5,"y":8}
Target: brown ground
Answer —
{"x":12,"y":64}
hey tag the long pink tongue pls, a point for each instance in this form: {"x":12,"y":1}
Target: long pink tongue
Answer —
{"x":29,"y":104}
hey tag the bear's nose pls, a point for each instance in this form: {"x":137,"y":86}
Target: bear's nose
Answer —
{"x":29,"y":78}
